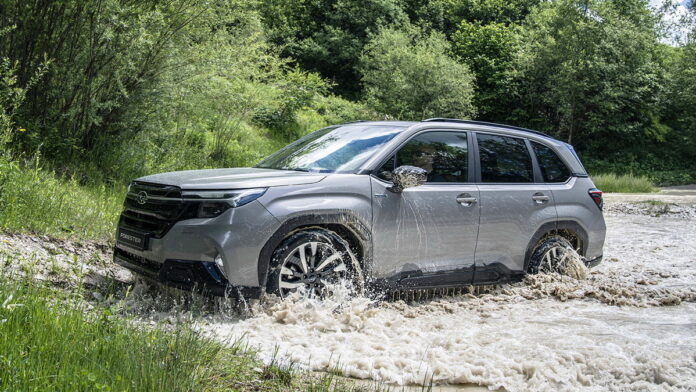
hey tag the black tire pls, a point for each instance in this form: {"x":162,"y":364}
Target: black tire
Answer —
{"x":328,"y":259}
{"x":548,"y":253}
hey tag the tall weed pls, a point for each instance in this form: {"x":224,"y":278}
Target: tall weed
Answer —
{"x":623,"y":183}
{"x":36,"y":200}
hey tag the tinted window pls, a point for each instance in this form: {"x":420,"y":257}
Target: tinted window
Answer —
{"x":552,"y":167}
{"x":504,"y":159}
{"x":337,"y":149}
{"x":444,"y":155}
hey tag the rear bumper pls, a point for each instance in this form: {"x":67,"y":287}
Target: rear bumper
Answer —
{"x":593,"y":262}
{"x":200,"y":276}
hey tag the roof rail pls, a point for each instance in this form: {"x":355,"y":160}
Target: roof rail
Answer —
{"x":474,"y":122}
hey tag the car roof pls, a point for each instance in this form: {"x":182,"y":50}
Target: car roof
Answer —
{"x":449,"y":122}
{"x":413,"y":127}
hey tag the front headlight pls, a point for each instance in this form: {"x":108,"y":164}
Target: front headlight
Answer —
{"x":213,"y":203}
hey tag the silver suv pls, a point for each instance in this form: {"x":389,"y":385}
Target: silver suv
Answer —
{"x":385,"y":204}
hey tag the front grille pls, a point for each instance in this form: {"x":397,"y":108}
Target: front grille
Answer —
{"x":152,"y":208}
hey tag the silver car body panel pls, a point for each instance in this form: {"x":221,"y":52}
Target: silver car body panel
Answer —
{"x":423,"y":228}
{"x":236,"y":235}
{"x":572,"y":207}
{"x":337,"y":193}
{"x":240,"y":178}
{"x":509,"y":219}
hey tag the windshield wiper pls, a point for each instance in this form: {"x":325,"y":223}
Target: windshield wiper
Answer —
{"x":301,"y":169}
{"x":282,"y":168}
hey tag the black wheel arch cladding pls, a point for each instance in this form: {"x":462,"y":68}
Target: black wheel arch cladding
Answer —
{"x":563,"y":229}
{"x":545,"y":244}
{"x":346,"y":224}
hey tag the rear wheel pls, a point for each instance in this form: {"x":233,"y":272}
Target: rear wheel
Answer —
{"x":313,"y":260}
{"x":553,"y":254}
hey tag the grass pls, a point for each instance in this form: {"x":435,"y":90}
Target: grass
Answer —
{"x":54,"y":345}
{"x":38,"y":201}
{"x":623,"y":183}
{"x":50,"y":341}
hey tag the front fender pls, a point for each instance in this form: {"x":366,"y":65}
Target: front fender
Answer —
{"x":340,"y":199}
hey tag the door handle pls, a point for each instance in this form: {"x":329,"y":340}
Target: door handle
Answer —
{"x":540,"y":198}
{"x":466,"y":199}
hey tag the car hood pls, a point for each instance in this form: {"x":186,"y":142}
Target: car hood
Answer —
{"x":239,"y":178}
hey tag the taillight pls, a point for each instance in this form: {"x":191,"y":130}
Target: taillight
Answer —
{"x":596,"y":196}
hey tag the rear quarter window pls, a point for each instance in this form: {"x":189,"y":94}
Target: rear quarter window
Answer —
{"x":552,"y":167}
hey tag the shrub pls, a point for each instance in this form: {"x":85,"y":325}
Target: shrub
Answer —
{"x":409,"y":76}
{"x":336,"y":110}
{"x":295,"y":91}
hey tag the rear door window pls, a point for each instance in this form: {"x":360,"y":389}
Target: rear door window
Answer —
{"x":552,"y":167}
{"x":504,"y":159}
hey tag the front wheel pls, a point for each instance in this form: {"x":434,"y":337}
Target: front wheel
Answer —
{"x":313,"y":261}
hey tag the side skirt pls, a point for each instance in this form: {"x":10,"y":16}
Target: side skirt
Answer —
{"x":491,"y":274}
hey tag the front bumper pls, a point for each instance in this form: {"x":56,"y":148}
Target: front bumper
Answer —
{"x":237,"y":236}
{"x":200,"y":276}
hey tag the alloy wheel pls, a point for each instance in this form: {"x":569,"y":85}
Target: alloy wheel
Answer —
{"x":555,"y":259}
{"x":312,"y":265}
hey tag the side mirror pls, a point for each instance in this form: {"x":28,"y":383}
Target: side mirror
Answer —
{"x":407,"y":177}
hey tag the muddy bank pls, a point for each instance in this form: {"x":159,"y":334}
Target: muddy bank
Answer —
{"x":63,"y":263}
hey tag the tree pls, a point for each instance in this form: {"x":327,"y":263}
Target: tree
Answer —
{"x":327,"y":36}
{"x":446,"y":15}
{"x":103,"y":55}
{"x":588,"y":72}
{"x":410,"y":76}
{"x":680,"y":106}
{"x":489,"y":50}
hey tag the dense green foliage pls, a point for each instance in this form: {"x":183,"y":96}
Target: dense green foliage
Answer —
{"x":107,"y":90}
{"x":328,"y":36}
{"x":130,"y":88}
{"x":410,"y":77}
{"x":680,"y":107}
{"x":489,"y":49}
{"x":589,"y":74}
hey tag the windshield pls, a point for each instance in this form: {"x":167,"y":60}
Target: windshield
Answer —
{"x":335,"y":149}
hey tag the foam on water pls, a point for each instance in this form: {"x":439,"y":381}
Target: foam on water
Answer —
{"x":630,"y":325}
